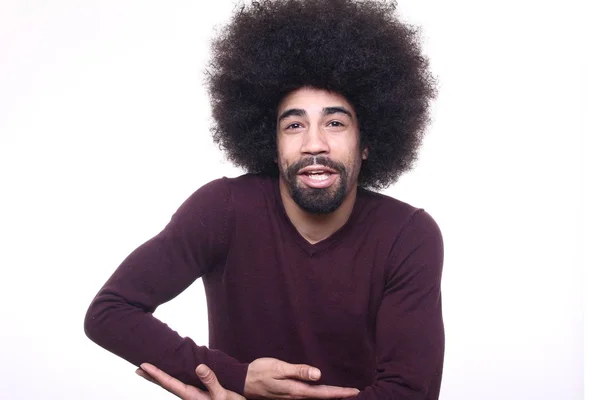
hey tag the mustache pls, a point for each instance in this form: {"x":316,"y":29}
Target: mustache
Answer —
{"x":315,"y":160}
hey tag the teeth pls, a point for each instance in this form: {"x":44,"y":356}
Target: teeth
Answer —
{"x":318,"y":177}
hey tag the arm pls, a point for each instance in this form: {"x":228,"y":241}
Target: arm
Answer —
{"x":410,"y":330}
{"x":187,"y":392}
{"x":276,"y":379}
{"x":120,"y":317}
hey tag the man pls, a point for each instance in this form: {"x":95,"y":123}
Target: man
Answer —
{"x":316,"y":287}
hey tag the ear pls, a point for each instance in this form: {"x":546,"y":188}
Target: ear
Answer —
{"x":365,"y":153}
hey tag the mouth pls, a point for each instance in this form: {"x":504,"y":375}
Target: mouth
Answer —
{"x":318,"y":176}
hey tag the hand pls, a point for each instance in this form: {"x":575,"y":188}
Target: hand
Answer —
{"x":187,"y":392}
{"x":270,"y":378}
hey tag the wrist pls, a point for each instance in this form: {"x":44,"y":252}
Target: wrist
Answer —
{"x":250,"y":382}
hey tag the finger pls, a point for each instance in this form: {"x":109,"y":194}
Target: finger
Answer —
{"x":209,"y":379}
{"x":145,"y":375}
{"x":165,"y":380}
{"x":335,"y":391}
{"x":298,"y":371}
{"x":302,"y":390}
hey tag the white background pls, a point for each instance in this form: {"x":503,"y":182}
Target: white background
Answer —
{"x":104,"y":132}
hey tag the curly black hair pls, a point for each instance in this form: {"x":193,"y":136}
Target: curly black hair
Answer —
{"x":358,"y":49}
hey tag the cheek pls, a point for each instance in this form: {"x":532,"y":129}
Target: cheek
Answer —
{"x":288,"y":149}
{"x":345,"y":150}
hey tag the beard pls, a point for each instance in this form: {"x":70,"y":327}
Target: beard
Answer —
{"x":317,"y":200}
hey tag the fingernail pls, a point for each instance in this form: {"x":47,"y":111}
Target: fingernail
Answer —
{"x":314,"y":374}
{"x":139,"y":372}
{"x":202,"y":371}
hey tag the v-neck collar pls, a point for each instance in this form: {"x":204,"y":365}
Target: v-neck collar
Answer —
{"x":310,"y":248}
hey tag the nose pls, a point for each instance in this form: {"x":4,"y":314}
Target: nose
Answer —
{"x":315,"y":141}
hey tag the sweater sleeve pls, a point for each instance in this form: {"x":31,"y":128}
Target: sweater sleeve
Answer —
{"x":410,"y":330}
{"x":120,"y":316}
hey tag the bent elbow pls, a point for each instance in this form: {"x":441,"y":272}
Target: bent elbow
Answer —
{"x":92,"y":322}
{"x":100,"y":316}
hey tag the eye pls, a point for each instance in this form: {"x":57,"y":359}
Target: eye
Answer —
{"x":294,"y":125}
{"x":335,"y":124}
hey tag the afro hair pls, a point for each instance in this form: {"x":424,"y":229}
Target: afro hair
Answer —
{"x":358,"y":49}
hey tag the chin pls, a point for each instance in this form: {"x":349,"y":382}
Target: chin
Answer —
{"x":318,"y":201}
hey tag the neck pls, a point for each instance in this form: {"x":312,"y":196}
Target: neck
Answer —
{"x":316,"y":227}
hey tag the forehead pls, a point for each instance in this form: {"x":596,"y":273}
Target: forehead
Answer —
{"x":313,"y":100}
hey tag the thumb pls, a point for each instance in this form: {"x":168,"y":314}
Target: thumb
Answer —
{"x":209,"y":379}
{"x":301,"y":371}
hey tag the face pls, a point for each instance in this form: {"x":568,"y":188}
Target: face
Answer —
{"x":318,"y":147}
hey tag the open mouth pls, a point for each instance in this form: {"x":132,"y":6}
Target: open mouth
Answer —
{"x":317,"y":176}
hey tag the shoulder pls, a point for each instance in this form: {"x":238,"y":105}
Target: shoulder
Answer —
{"x":390,"y":214}
{"x":243,"y":195}
{"x":252,"y":192}
{"x":414,"y":242}
{"x":214,"y":194}
{"x":225,"y":190}
{"x":215,"y":204}
{"x":250,"y":183}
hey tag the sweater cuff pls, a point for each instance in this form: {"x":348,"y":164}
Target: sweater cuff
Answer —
{"x":230,"y":372}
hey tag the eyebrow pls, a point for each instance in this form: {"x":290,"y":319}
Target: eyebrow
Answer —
{"x":302,"y":113}
{"x":336,"y":110}
{"x":292,"y":111}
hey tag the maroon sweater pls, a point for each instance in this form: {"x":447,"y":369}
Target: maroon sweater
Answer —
{"x":363,"y":305}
